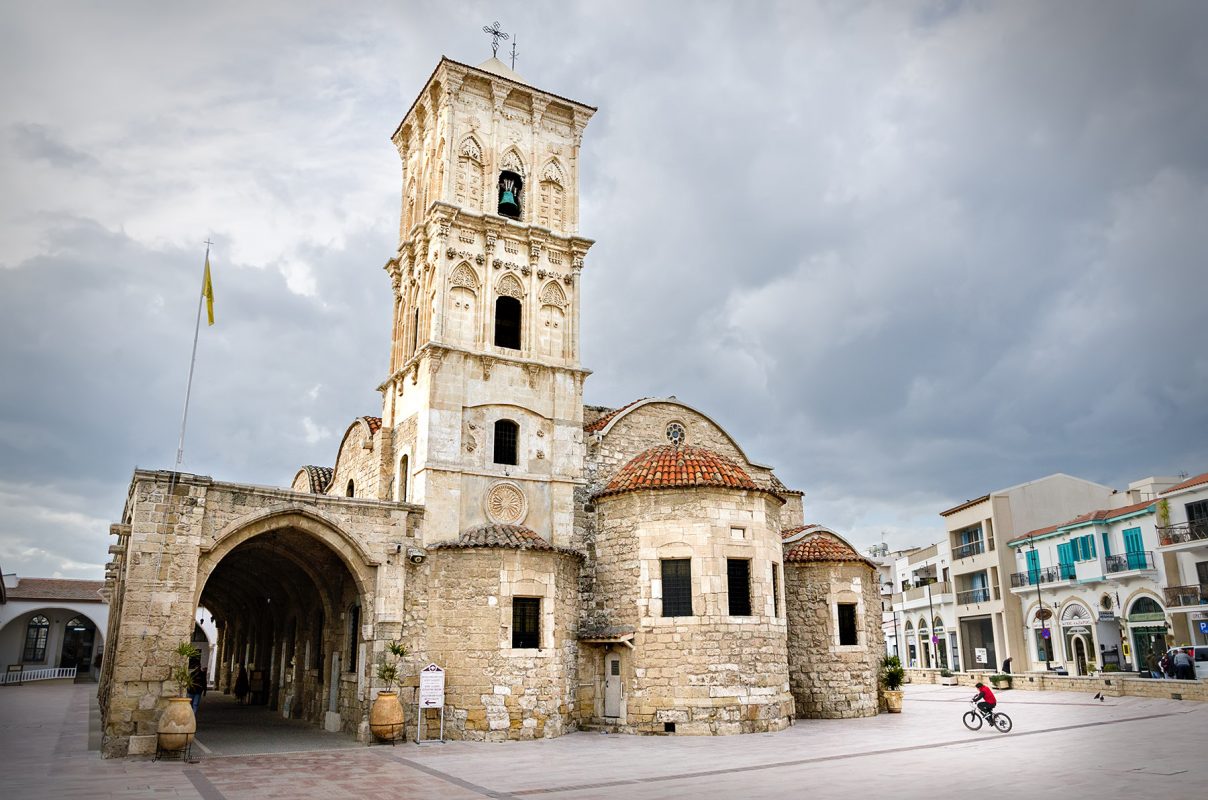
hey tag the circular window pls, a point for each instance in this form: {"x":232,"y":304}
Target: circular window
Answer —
{"x":676,"y":433}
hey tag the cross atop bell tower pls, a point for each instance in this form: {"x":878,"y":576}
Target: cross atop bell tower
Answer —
{"x":484,"y":354}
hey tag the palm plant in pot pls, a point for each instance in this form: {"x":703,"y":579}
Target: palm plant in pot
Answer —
{"x":386,"y":713}
{"x":892,"y":676}
{"x":178,"y":724}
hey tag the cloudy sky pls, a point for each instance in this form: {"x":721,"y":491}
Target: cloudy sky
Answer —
{"x":906,"y":253}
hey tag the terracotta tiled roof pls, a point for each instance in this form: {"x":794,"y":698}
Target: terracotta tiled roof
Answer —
{"x":375,"y":424}
{"x":1101,"y":515}
{"x":671,"y":467}
{"x":319,"y":477}
{"x":822,"y":547}
{"x":516,"y":537}
{"x":787,"y":532}
{"x":56,"y":589}
{"x":1187,"y":484}
{"x":779,"y":488}
{"x":601,"y":422}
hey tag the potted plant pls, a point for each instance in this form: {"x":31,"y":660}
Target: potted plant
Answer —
{"x":1001,"y":681}
{"x":177,"y":724}
{"x":386,"y":713}
{"x":947,"y":678}
{"x":892,"y":676}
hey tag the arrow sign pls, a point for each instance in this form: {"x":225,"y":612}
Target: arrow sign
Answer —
{"x":431,"y":687}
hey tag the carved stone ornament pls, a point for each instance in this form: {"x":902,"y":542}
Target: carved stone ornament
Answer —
{"x":470,"y":149}
{"x":464,"y":276}
{"x":505,"y":503}
{"x":553,"y":173}
{"x":551,"y":295}
{"x":511,"y":162}
{"x":510,"y":287}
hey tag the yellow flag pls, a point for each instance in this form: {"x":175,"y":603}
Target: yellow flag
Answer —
{"x":207,"y":291}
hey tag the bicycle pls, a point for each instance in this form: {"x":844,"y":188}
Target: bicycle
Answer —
{"x":973,"y":719}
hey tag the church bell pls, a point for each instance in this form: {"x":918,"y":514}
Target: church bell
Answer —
{"x":509,"y":191}
{"x":507,"y":204}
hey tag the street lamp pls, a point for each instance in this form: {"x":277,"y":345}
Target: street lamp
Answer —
{"x":1040,"y":615}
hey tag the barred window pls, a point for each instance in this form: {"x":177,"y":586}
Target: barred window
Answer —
{"x":677,"y":587}
{"x":848,"y":631}
{"x":506,"y":435}
{"x":526,"y":622}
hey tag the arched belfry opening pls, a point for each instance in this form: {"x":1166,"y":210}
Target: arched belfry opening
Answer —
{"x":287,"y":608}
{"x":508,"y":312}
{"x":511,"y":194}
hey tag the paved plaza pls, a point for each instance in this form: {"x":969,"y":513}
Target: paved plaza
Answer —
{"x":1062,"y":743}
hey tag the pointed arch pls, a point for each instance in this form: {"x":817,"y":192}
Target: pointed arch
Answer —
{"x":552,"y":171}
{"x":470,"y":148}
{"x":509,"y":286}
{"x":463,"y":305}
{"x":464,"y":275}
{"x":551,"y":329}
{"x":552,"y":295}
{"x":512,"y":162}
{"x":469,"y":189}
{"x":551,"y":198}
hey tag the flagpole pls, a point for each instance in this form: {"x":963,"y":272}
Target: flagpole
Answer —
{"x":184,"y":417}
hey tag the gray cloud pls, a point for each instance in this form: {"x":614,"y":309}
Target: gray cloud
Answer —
{"x":906,"y":253}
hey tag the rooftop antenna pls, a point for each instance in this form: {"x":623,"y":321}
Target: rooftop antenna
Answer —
{"x":514,"y":52}
{"x":495,"y":34}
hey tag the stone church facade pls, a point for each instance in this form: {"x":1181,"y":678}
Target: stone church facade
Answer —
{"x":567,"y":565}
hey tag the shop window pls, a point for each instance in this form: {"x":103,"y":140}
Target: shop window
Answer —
{"x":507,"y":435}
{"x":35,"y":639}
{"x":526,"y":622}
{"x":738,"y":586}
{"x":677,"y":587}
{"x":848,"y":631}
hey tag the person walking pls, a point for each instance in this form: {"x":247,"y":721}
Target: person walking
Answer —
{"x":241,"y":685}
{"x":1151,"y":664}
{"x":196,"y":687}
{"x":1184,"y":667}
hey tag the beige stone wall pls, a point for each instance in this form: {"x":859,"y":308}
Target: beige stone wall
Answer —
{"x":495,"y":692}
{"x":710,"y":673}
{"x":830,"y":680}
{"x":358,"y":460}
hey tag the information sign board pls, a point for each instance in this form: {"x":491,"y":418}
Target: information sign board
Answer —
{"x":431,"y":687}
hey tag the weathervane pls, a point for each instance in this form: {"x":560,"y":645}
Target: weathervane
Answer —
{"x":496,"y":35}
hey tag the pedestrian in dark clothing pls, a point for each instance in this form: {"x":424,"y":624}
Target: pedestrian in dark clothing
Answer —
{"x":241,"y":684}
{"x":1184,"y":667}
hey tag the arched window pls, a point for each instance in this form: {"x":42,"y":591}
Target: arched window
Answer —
{"x":507,"y":435}
{"x":402,"y":479}
{"x":351,"y":492}
{"x":415,"y":331}
{"x":1145,"y":605}
{"x":507,"y":322}
{"x":35,"y":639}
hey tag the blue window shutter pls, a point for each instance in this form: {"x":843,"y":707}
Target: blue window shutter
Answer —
{"x":1090,"y":540}
{"x":1107,"y":546}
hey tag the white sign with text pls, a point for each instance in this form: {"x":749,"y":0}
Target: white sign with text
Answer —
{"x":431,"y":687}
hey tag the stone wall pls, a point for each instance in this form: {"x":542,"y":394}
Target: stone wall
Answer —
{"x":359,"y":460}
{"x":830,"y":680}
{"x":495,"y":692}
{"x":1117,"y":684}
{"x":710,"y":673}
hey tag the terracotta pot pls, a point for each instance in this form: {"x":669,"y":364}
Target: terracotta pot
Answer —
{"x":177,"y":724}
{"x":386,"y":717}
{"x":893,"y":701}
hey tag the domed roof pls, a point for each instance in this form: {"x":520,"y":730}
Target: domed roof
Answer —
{"x":672,"y":467}
{"x":822,"y":546}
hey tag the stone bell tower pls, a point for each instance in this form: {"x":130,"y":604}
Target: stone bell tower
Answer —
{"x":484,"y":397}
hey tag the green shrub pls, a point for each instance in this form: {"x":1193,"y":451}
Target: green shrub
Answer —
{"x":1111,"y":667}
{"x":1000,"y":678}
{"x":892,"y":674}
{"x":945,"y":673}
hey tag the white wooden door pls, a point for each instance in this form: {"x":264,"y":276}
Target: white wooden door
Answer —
{"x":612,"y":685}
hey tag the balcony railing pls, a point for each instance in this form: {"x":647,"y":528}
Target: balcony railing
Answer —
{"x":1186,"y":532}
{"x":937,"y":588}
{"x":973,"y":548}
{"x":981,"y":595}
{"x":1194,"y":595}
{"x":1129,"y":561}
{"x":1061,"y":572}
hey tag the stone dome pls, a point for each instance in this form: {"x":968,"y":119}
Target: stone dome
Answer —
{"x":673,"y":467}
{"x":822,"y":546}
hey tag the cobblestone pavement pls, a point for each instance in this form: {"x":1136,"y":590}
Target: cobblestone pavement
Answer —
{"x":1062,"y":743}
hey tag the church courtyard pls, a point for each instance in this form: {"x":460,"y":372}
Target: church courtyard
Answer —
{"x":1062,"y":742}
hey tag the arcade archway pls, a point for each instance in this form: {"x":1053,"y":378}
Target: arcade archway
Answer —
{"x":287,"y":606}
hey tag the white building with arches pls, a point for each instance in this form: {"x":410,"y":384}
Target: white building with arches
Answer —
{"x":49,"y":624}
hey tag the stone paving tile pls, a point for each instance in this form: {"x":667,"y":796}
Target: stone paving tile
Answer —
{"x":1062,"y":742}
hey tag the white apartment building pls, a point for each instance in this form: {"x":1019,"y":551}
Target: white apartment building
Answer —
{"x":923,"y":609}
{"x":1182,"y":514}
{"x":988,"y":623}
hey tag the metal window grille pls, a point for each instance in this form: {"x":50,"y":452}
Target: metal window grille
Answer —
{"x":506,"y":436}
{"x":677,"y":587}
{"x":738,"y":586}
{"x":526,"y":622}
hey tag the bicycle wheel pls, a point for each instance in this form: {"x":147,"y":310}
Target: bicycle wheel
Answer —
{"x":972,"y":720}
{"x":1003,"y":723}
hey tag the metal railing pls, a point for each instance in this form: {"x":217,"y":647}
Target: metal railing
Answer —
{"x":973,"y":548}
{"x":1185,"y":532}
{"x":981,"y":595}
{"x":45,"y":674}
{"x":1061,"y":572}
{"x":1129,"y":561}
{"x":1195,"y":594}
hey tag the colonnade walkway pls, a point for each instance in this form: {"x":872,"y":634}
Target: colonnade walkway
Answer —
{"x":1062,"y":743}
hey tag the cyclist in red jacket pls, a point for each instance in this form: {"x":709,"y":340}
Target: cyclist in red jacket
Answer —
{"x":985,"y":699}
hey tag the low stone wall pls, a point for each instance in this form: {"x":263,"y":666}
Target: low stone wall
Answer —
{"x":1117,"y":684}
